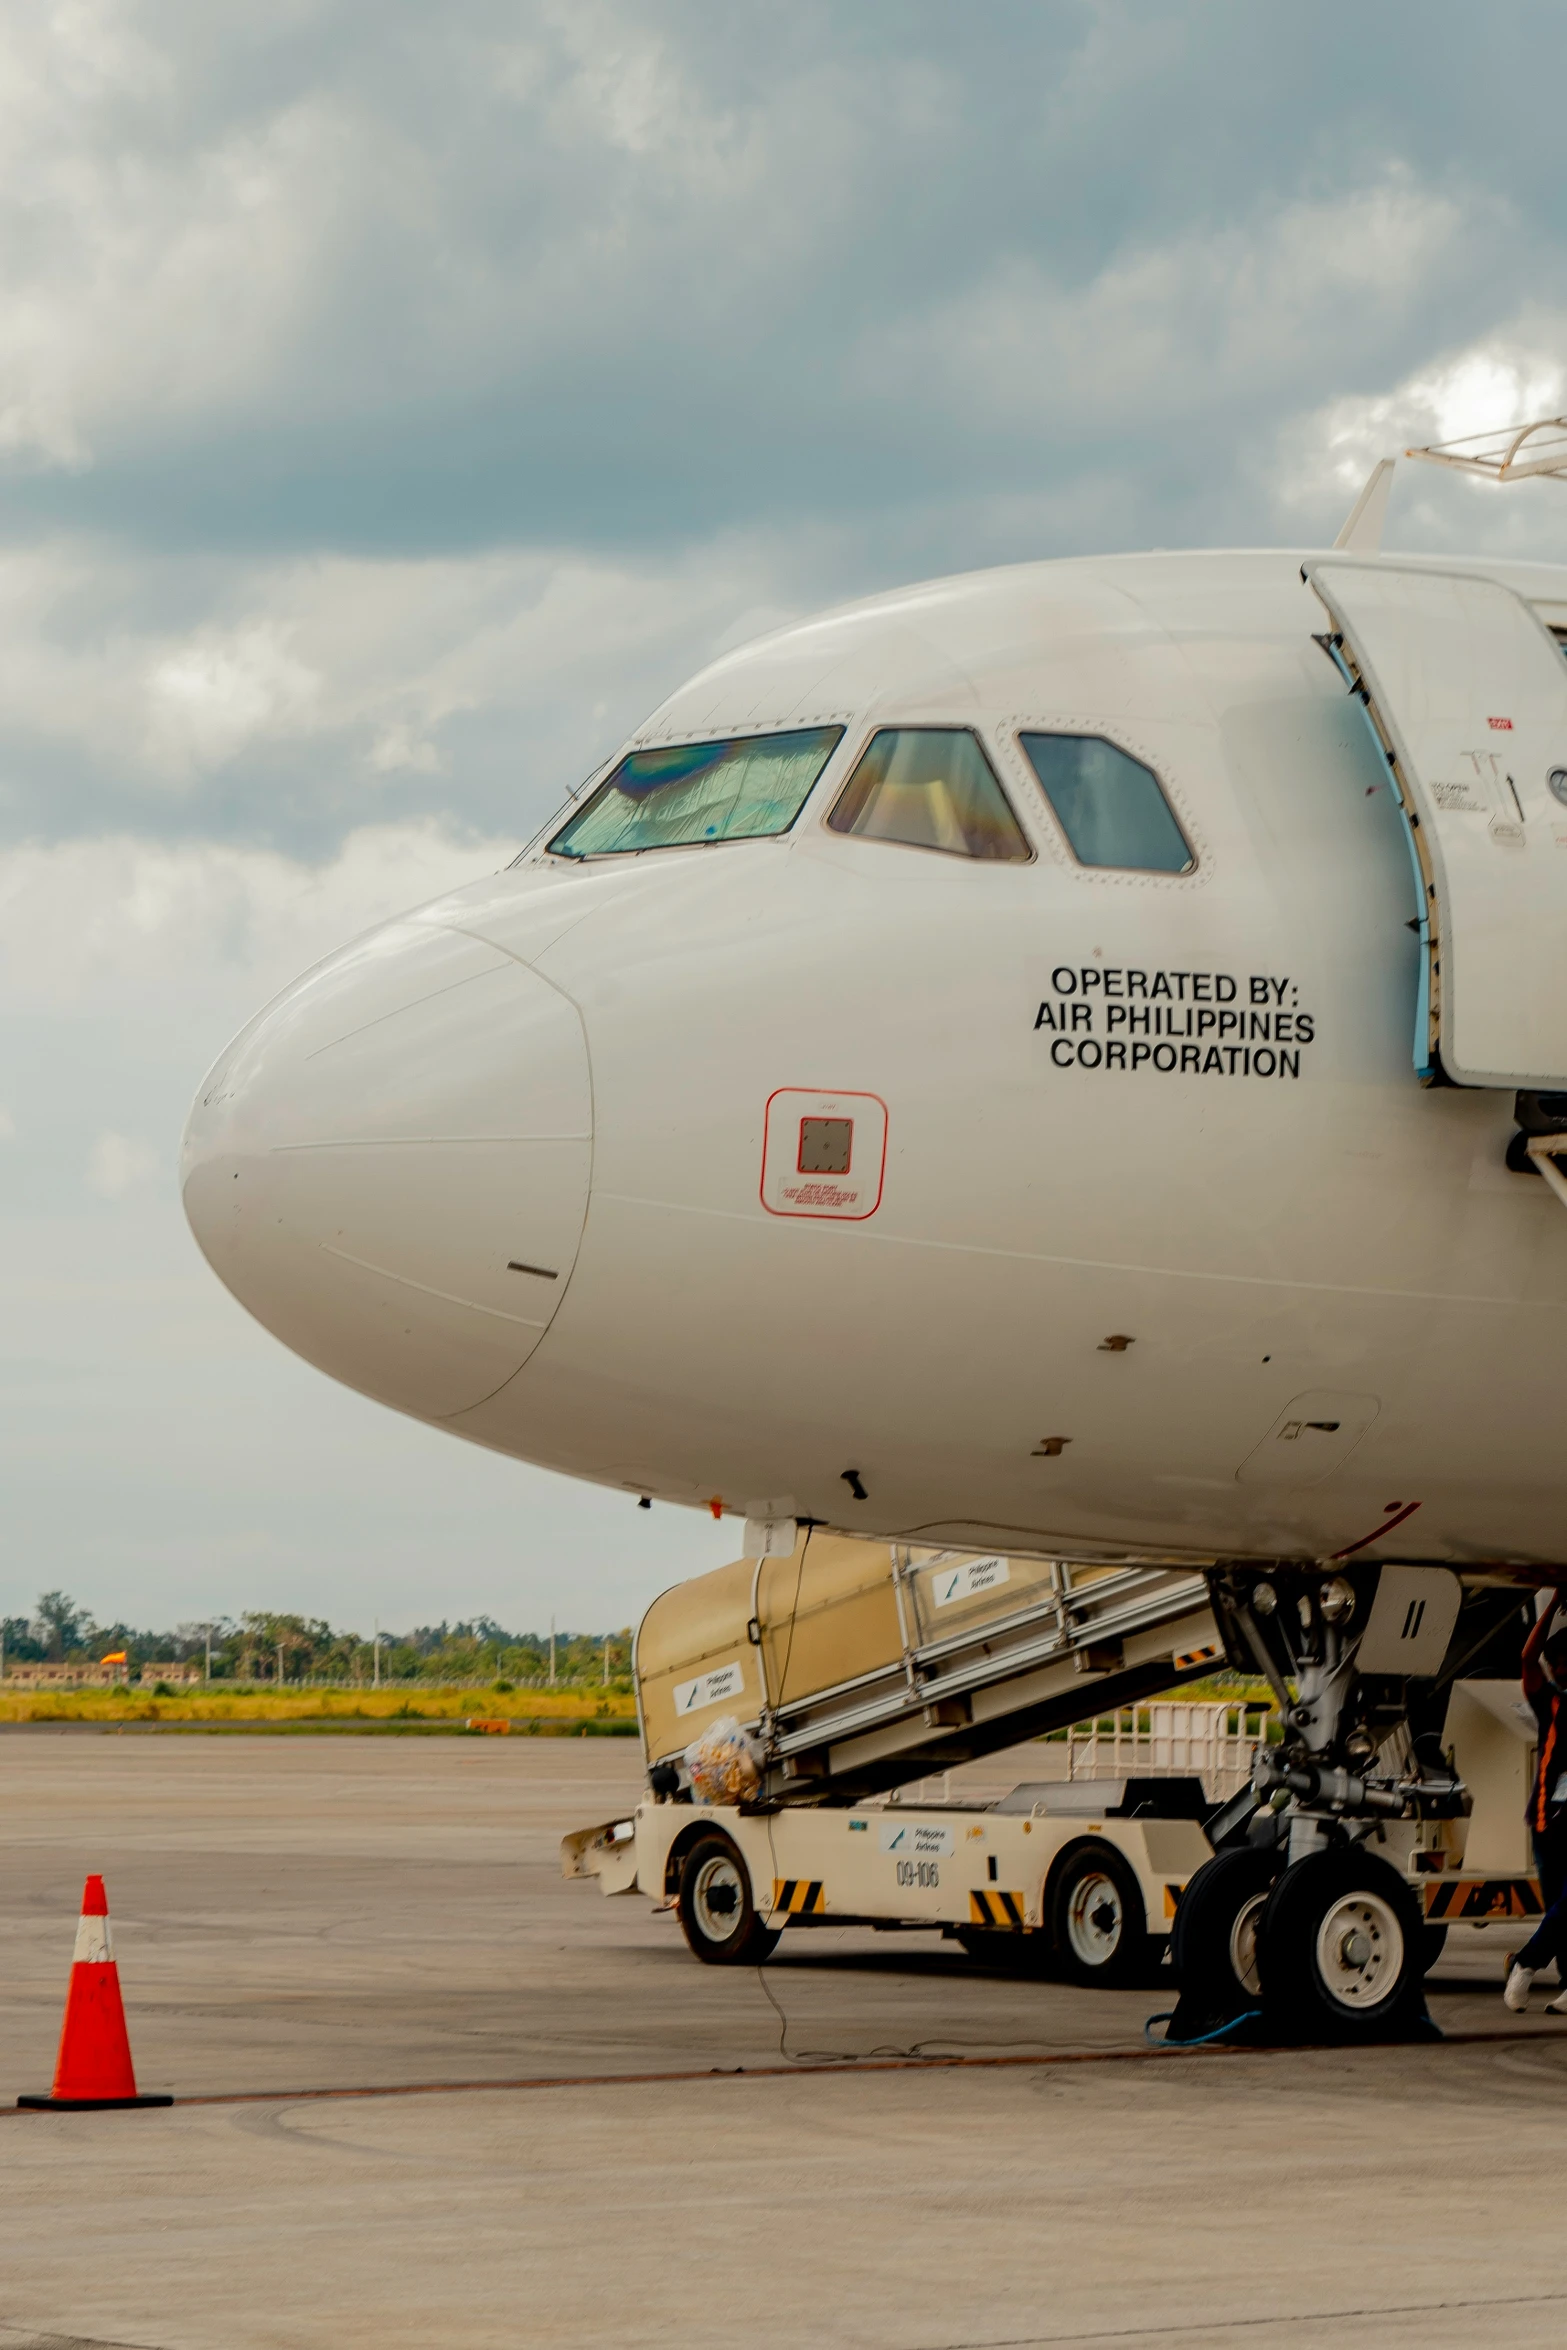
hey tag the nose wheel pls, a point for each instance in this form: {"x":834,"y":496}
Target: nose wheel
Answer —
{"x":1331,"y":1949}
{"x":1213,"y":1948}
{"x":1341,"y":1946}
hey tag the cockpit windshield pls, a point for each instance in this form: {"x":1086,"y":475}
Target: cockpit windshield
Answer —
{"x":742,"y":789}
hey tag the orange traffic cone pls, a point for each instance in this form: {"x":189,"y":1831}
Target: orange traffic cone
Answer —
{"x":93,"y":2068}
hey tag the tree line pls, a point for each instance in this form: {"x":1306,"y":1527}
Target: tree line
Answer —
{"x":262,"y":1645}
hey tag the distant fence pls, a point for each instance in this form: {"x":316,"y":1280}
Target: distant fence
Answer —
{"x":1169,"y":1740}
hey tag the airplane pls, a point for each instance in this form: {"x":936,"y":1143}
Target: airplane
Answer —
{"x":1068,"y":1059}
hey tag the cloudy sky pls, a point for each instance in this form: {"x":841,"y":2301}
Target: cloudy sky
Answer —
{"x":397,"y":400}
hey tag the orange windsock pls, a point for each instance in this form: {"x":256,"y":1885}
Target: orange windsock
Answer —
{"x":94,"y":2067}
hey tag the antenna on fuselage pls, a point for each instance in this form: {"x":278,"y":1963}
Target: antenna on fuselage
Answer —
{"x":1362,"y":531}
{"x":1519,"y":452}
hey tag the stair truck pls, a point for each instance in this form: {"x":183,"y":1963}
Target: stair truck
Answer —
{"x":787,"y":1704}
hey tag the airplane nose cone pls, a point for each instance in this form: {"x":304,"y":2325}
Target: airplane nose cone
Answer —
{"x":389,"y":1167}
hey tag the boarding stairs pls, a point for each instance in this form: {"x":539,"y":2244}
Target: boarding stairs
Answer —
{"x":1088,"y":1639}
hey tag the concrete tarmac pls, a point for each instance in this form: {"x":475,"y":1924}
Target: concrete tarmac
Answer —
{"x":295,"y":1914}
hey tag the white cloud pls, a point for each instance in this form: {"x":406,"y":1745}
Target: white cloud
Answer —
{"x":1500,"y":380}
{"x":1485,"y":386}
{"x":401,"y":748}
{"x":218,"y":692}
{"x":1318,"y":461}
{"x":190,"y":208}
{"x":1170,"y":325}
{"x":117,"y":1163}
{"x":204,"y":930}
{"x":344,"y":676}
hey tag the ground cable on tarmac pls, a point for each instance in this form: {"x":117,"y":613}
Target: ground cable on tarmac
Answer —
{"x":794,"y":2072}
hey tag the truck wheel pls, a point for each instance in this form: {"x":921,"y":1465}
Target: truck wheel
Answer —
{"x":717,"y":1912}
{"x":1213,"y":1945}
{"x":1432,"y":1947}
{"x":1098,"y":1926}
{"x":1343,"y":1951}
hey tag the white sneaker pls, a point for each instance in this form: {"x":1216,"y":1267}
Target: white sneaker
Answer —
{"x":1516,"y":1995}
{"x":1558,"y":2005}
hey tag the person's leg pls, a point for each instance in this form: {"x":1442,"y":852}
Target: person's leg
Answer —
{"x":1549,"y":1939}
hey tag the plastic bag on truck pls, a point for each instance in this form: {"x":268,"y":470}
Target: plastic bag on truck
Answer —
{"x":722,"y":1763}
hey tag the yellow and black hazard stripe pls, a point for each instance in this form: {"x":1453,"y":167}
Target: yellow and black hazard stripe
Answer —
{"x":1461,"y":1900}
{"x":799,"y":1897}
{"x":996,"y":1909}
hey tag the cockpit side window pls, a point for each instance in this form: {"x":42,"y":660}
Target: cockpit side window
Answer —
{"x":743,"y":789}
{"x":930,"y":787}
{"x":1110,"y":806}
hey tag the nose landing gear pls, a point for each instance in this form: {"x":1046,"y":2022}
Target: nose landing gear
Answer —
{"x":1296,"y":1931}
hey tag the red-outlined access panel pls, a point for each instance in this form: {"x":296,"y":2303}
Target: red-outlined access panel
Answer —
{"x":811,"y":1166}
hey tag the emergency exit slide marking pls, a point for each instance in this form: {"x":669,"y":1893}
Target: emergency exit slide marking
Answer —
{"x":967,"y":1581}
{"x":710,"y":1688}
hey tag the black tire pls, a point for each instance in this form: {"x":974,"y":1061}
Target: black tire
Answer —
{"x":1435,"y":1942}
{"x":717,"y":1908}
{"x":1343,"y":1952}
{"x":1213,"y":1946}
{"x":1098,"y":1926}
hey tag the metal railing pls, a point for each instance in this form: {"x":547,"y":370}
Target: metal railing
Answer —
{"x":1169,"y":1739}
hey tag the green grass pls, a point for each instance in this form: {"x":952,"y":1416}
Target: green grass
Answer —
{"x":220,"y":1705}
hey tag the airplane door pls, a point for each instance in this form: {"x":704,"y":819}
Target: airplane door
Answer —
{"x":1468,"y":691}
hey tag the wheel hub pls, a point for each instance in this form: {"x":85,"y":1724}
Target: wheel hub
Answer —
{"x":1360,"y":1950}
{"x":1094,"y":1920}
{"x":717,"y":1899}
{"x":1243,"y":1944}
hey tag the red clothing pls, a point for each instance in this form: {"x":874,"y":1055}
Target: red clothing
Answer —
{"x":1548,"y":1702}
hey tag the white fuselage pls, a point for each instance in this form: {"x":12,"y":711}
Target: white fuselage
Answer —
{"x":501,"y":1164}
